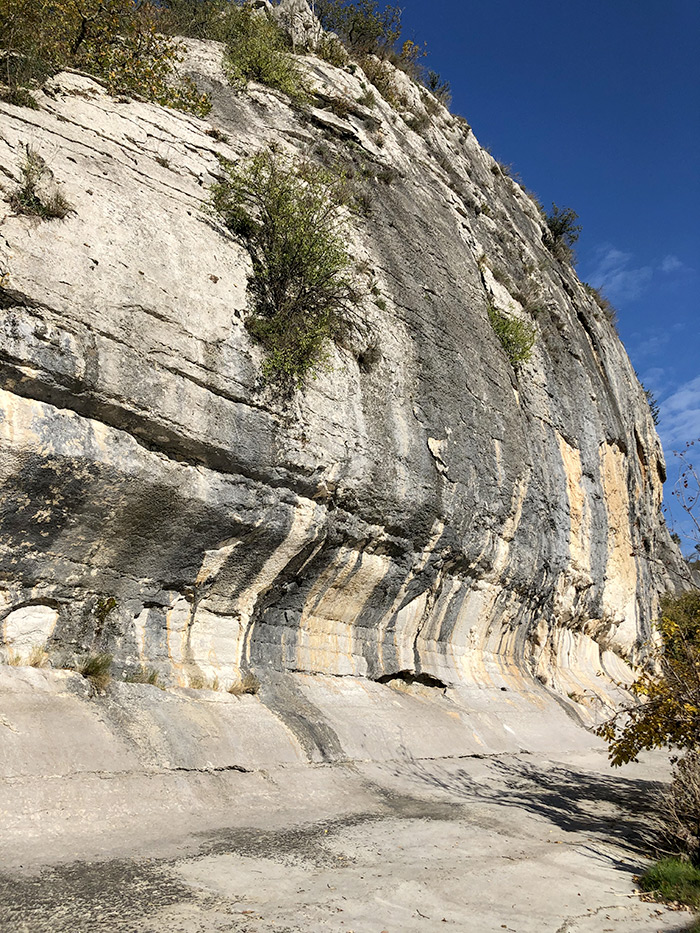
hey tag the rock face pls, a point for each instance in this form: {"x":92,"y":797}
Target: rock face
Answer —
{"x":422,"y":509}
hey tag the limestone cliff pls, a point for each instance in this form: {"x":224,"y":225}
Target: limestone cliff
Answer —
{"x":421,"y":509}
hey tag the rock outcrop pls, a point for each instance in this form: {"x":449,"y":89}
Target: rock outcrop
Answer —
{"x":422,"y":510}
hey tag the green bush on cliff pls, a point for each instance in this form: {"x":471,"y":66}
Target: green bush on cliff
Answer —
{"x":517,"y":338}
{"x":302,"y":284}
{"x":362,"y":25}
{"x":563,"y":232}
{"x":258,"y":50}
{"x":118,"y":41}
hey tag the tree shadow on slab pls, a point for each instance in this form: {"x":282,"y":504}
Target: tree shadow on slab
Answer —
{"x":602,"y":808}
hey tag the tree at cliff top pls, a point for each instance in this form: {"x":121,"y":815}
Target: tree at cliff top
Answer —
{"x":116,"y":40}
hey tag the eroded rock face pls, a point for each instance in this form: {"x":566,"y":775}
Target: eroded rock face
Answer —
{"x":421,"y":508}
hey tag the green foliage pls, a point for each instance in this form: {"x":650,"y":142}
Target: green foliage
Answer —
{"x":517,"y":338}
{"x":673,"y":880}
{"x":368,"y":99}
{"x":196,"y":19}
{"x":440,"y":88}
{"x":653,"y":404}
{"x":27,"y":198}
{"x":19,"y":97}
{"x":381,"y":74}
{"x":362,"y":25}
{"x":418,"y":122}
{"x":103,"y":607}
{"x":332,"y":51}
{"x":258,"y":50}
{"x":116,"y":40}
{"x":96,"y":668}
{"x":302,"y":287}
{"x":564,"y":232}
{"x":668,"y":686}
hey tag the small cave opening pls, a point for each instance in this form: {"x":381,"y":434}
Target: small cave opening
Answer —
{"x":411,"y":677}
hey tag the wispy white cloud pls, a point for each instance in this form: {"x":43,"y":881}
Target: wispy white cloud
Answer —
{"x":617,"y":276}
{"x":654,"y":378}
{"x":649,"y":345}
{"x":671,"y":263}
{"x":680,"y":415}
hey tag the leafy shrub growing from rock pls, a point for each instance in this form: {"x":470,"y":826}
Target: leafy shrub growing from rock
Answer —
{"x":517,"y":338}
{"x":564,"y":232}
{"x":258,"y":50}
{"x":440,"y":88}
{"x":197,"y":19}
{"x":118,"y":41}
{"x":302,"y":285}
{"x":668,"y":686}
{"x":362,"y":25}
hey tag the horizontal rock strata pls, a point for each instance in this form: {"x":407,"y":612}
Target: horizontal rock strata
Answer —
{"x":420,"y":510}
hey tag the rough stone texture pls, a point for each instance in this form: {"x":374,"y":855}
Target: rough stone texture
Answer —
{"x":420,"y":510}
{"x":327,"y":804}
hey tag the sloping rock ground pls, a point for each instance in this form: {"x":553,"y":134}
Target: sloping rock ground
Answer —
{"x":320,"y":806}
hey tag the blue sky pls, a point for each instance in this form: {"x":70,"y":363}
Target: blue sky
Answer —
{"x":597,"y":106}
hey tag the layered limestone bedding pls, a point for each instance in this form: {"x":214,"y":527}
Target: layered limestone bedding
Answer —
{"x":419,"y":510}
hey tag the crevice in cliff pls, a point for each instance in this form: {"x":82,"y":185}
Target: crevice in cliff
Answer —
{"x":411,"y":677}
{"x":215,"y":769}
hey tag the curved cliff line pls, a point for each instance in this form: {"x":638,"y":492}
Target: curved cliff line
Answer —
{"x":423,"y":510}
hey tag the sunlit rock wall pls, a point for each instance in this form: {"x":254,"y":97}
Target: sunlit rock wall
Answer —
{"x":422,"y":508}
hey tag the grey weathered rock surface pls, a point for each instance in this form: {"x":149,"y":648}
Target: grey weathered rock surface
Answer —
{"x":420,"y":508}
{"x":489,"y":542}
{"x":327,"y":804}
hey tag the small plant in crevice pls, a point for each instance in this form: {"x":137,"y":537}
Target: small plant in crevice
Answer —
{"x":367,"y":99}
{"x":29,"y":198}
{"x":103,"y":607}
{"x":247,"y":683}
{"x":145,"y":675}
{"x":303,"y":287}
{"x":517,"y":338}
{"x":97,"y":669}
{"x":199,"y":682}
{"x":216,"y":134}
{"x":604,"y":305}
{"x":418,"y":122}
